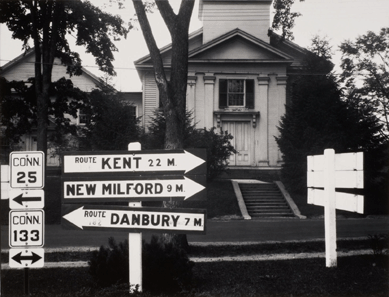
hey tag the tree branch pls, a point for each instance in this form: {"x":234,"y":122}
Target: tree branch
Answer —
{"x":155,"y":55}
{"x":167,"y":13}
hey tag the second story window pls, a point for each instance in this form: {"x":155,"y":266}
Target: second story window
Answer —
{"x":83,"y":118}
{"x":236,"y":93}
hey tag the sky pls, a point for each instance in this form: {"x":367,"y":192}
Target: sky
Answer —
{"x":337,"y":20}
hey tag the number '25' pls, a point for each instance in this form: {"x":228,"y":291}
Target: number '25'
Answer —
{"x":30,"y":177}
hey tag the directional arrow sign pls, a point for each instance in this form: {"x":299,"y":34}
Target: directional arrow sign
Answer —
{"x":343,"y":201}
{"x":22,"y":199}
{"x":136,"y":161}
{"x":133,"y":219}
{"x":131,"y":190}
{"x":26,"y":258}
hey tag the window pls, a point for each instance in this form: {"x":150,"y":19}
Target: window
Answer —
{"x":132,"y":113}
{"x":83,"y":118}
{"x":236,"y":93}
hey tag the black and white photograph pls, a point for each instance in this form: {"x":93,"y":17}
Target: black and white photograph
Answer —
{"x":194,"y":148}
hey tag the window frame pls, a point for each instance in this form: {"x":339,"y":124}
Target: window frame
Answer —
{"x":225,"y":94}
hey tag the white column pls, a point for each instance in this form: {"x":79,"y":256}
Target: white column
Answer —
{"x":209,"y":81}
{"x":191,"y":95}
{"x":261,"y":104}
{"x":281,"y":86}
{"x":273,"y":119}
{"x":200,"y":101}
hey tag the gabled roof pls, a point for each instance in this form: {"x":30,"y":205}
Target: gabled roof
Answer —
{"x":168,"y":47}
{"x":289,"y":52}
{"x":19,"y":59}
{"x":275,"y":54}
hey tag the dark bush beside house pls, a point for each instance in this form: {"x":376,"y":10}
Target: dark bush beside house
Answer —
{"x":166,"y":268}
{"x":218,"y":145}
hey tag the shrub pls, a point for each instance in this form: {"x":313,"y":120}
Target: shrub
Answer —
{"x":379,"y":243}
{"x":218,"y":145}
{"x":109,"y":266}
{"x":166,"y":268}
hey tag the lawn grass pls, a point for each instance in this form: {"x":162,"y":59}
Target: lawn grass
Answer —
{"x":236,"y":249}
{"x":354,"y":276}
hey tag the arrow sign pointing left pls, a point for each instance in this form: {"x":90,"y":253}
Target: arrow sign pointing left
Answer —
{"x":26,"y":258}
{"x":22,"y":199}
{"x":94,"y":217}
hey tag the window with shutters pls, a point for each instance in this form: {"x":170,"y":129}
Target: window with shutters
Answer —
{"x":236,"y":93}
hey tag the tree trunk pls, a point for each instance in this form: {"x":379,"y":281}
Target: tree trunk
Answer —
{"x":173,"y":92}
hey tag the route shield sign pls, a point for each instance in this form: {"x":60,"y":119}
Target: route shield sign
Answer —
{"x":26,"y":258}
{"x":26,"y":228}
{"x":93,"y":217}
{"x":26,"y":170}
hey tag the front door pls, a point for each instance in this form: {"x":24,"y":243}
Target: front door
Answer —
{"x":240,"y":130}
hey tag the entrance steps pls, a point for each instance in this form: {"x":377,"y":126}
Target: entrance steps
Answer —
{"x":265,"y":200}
{"x":262,"y":199}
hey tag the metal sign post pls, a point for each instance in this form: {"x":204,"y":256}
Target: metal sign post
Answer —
{"x":27,"y":217}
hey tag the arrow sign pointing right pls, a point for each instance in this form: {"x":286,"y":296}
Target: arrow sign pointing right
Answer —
{"x":130,"y":190}
{"x":136,"y":161}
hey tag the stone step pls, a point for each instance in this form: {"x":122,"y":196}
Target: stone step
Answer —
{"x":271,"y":215}
{"x":264,"y":200}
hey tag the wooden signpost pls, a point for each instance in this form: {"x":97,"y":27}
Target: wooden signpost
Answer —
{"x":133,"y":176}
{"x":325,"y":173}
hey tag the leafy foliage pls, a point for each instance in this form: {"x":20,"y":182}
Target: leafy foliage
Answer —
{"x":379,"y":243}
{"x":284,"y":18}
{"x":48,"y":24}
{"x":317,"y":118}
{"x":366,"y":74}
{"x":218,"y":145}
{"x":166,"y":268}
{"x":111,"y":122}
{"x":109,"y":265}
{"x":50,"y":21}
{"x":19,"y":105}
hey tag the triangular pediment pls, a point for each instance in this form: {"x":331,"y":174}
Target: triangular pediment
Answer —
{"x":235,"y":45}
{"x":238,"y":45}
{"x":236,"y":48}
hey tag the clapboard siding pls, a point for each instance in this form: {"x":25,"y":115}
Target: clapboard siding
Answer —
{"x":150,"y":97}
{"x":24,"y":69}
{"x":219,"y":18}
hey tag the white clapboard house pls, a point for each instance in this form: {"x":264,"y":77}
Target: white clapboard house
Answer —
{"x":237,"y":78}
